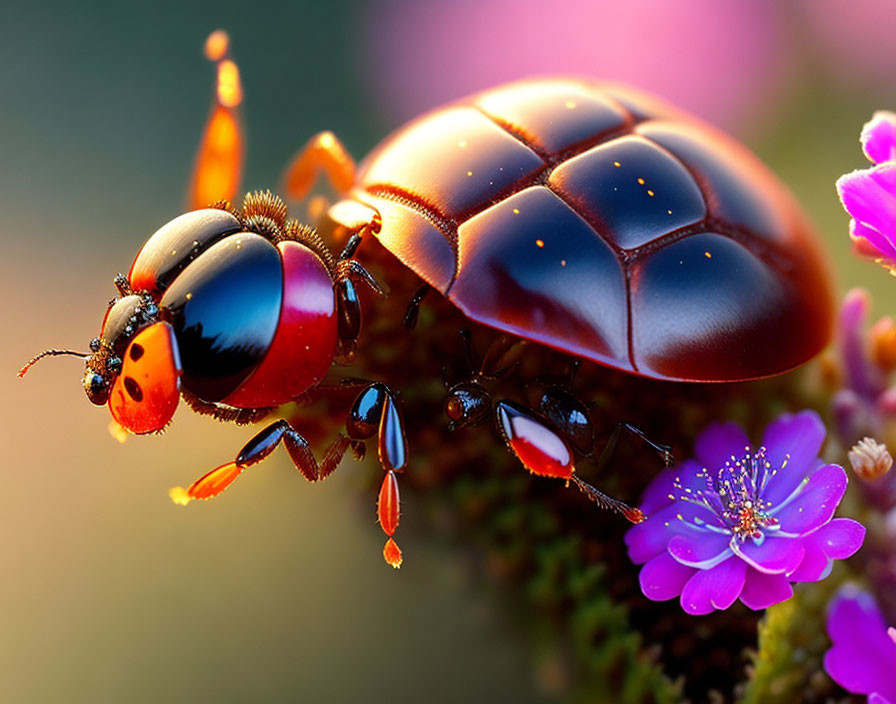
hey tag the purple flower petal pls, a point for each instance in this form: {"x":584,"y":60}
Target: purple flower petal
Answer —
{"x":762,"y":590}
{"x":815,"y":504}
{"x":839,"y":539}
{"x":854,"y":618}
{"x":875,"y":698}
{"x":663,"y":578}
{"x":799,"y":436}
{"x":657,"y":495}
{"x":716,"y":445}
{"x":869,"y":195}
{"x":700,"y":549}
{"x":863,"y":658}
{"x":648,"y":539}
{"x":716,"y":588}
{"x":861,"y":377}
{"x":772,"y":556}
{"x":842,"y":537}
{"x":879,"y":137}
{"x":881,"y":243}
{"x":816,"y":565}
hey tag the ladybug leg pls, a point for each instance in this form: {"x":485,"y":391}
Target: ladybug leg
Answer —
{"x":413,"y":310}
{"x":322,"y":153}
{"x":219,"y":159}
{"x":664,"y":451}
{"x":546,"y":453}
{"x":348,"y":272}
{"x":258,"y":448}
{"x":376,"y":410}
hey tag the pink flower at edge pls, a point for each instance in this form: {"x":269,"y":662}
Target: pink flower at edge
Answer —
{"x":737,"y":523}
{"x":863,"y":657}
{"x":869,"y":195}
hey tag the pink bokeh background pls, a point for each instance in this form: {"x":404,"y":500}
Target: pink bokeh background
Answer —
{"x":711,"y":57}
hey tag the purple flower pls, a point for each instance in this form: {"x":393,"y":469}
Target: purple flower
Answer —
{"x":742,"y":523}
{"x":864,"y":403}
{"x":863,"y":659}
{"x":869,"y":195}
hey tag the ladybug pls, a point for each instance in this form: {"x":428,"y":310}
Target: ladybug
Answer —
{"x":585,"y":217}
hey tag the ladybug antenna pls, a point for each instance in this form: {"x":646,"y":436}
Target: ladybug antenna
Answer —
{"x":51,"y":353}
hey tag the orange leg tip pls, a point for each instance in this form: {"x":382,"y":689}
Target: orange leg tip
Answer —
{"x":209,"y":485}
{"x":635,"y":515}
{"x":180,"y":496}
{"x":388,"y":506}
{"x":118,"y":431}
{"x":392,"y":553}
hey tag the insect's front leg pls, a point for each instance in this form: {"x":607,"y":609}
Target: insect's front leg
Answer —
{"x":258,"y":448}
{"x":375,"y":411}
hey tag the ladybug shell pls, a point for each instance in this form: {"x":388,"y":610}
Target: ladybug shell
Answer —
{"x":254,"y":322}
{"x":604,"y":223}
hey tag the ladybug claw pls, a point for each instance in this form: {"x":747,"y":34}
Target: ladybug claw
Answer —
{"x":392,"y":553}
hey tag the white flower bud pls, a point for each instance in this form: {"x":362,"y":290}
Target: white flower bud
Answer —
{"x":870,"y":459}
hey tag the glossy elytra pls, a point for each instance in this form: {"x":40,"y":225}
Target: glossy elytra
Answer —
{"x":582,"y":216}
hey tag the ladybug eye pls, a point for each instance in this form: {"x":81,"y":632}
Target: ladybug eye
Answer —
{"x":97,"y":388}
{"x":145,"y":394}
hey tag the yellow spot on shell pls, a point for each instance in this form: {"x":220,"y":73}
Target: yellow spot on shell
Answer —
{"x":189,"y":295}
{"x":562,"y":262}
{"x":539,"y":243}
{"x":516,"y":211}
{"x":650,"y":193}
{"x":469,"y":173}
{"x":707,"y":255}
{"x":616,"y":164}
{"x":669,"y":211}
{"x":570,"y":104}
{"x":641,"y":181}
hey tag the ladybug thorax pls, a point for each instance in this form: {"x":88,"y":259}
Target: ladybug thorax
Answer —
{"x":249,"y":298}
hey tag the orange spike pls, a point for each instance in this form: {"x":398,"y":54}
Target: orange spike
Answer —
{"x":388,"y":505}
{"x":219,"y":160}
{"x":392,"y":553}
{"x":208,"y":485}
{"x":217,"y":45}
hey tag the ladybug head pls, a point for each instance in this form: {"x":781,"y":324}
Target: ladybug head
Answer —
{"x":133,"y":365}
{"x":126,"y":316}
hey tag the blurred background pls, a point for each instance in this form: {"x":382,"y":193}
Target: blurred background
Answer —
{"x":277,"y":591}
